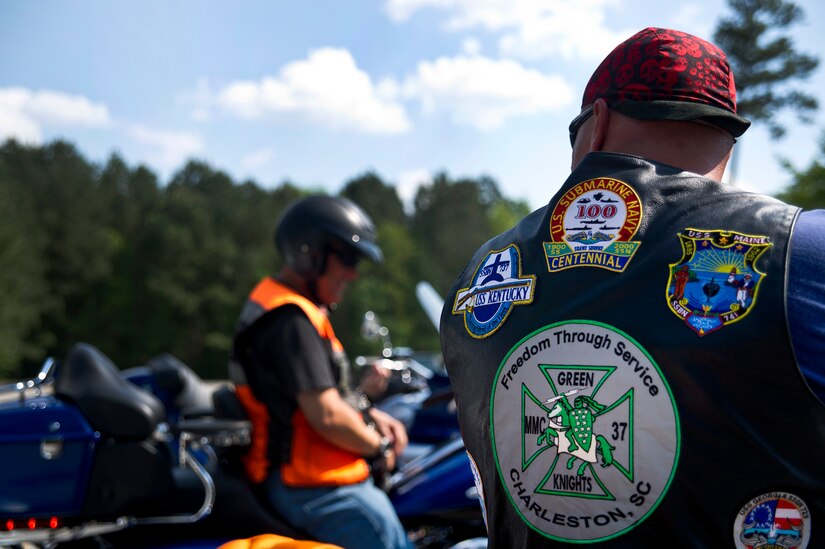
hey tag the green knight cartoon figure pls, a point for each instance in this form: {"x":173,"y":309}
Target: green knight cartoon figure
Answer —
{"x":571,"y":430}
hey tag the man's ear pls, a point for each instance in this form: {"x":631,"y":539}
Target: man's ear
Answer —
{"x":601,"y":122}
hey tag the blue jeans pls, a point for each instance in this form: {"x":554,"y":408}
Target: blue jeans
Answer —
{"x":356,"y":516}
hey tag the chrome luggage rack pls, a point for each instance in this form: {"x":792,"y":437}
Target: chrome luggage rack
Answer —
{"x":36,"y":386}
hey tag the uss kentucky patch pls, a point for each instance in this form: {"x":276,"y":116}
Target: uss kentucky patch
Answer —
{"x":585,"y":431}
{"x":496,"y":288}
{"x":716,"y":282}
{"x":592,"y":225}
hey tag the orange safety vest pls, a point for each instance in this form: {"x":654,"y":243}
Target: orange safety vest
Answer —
{"x":313,"y":460}
{"x":273,"y":541}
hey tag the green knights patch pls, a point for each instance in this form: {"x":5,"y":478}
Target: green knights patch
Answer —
{"x":585,"y":431}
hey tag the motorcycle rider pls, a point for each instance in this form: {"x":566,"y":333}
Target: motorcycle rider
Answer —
{"x":309,"y":439}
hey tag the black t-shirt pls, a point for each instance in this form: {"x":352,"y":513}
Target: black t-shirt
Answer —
{"x":283,"y":354}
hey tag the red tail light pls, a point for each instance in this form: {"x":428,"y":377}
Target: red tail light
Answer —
{"x":32,"y":523}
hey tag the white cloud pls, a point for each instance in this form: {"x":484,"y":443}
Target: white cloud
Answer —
{"x":484,"y":93}
{"x":328,"y":87}
{"x":60,"y":108}
{"x":25,"y":113}
{"x":408,"y":183}
{"x":167,"y":150}
{"x":570,"y":30}
{"x":529,"y":29}
{"x":14,"y":123}
{"x":401,"y":10}
{"x":471,"y":46}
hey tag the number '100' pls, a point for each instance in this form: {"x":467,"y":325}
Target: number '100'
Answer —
{"x":596,"y":210}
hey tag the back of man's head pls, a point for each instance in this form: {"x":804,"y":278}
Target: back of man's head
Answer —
{"x":663,"y":74}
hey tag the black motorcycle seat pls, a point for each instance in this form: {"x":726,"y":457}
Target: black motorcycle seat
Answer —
{"x":113,"y":406}
{"x":191,"y":393}
{"x":227,"y":405}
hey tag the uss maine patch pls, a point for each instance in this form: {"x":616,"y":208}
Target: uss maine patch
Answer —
{"x":495,"y":289}
{"x":715,"y":282}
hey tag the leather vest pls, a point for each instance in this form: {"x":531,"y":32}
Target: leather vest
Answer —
{"x":624,"y":373}
{"x":312,"y":460}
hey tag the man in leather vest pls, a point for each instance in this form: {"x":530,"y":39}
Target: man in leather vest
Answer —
{"x":613,"y":383}
{"x":309,"y":437}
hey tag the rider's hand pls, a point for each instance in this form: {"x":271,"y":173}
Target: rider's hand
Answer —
{"x":391,"y":428}
{"x":374,"y":381}
{"x":389,"y":460}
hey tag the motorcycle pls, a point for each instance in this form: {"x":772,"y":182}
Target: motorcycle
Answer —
{"x":87,"y":454}
{"x":418,"y":391}
{"x":148,"y":457}
{"x":433,"y":486}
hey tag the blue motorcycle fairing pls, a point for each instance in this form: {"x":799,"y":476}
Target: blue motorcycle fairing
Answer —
{"x":436,"y":483}
{"x":46,"y":451}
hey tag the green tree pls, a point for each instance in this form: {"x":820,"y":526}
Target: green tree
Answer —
{"x":108,"y":255}
{"x":376,"y":197}
{"x":452,"y":219}
{"x":505,"y":214}
{"x":77,"y":244}
{"x":134,"y":195}
{"x":213,"y":242}
{"x":388,"y":290}
{"x":192,"y":283}
{"x":760,"y":49}
{"x":22,"y":278}
{"x":808,"y":187}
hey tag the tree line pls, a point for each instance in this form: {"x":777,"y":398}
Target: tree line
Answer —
{"x":108,"y":255}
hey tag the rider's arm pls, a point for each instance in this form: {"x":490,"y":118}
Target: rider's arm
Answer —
{"x":806,"y":298}
{"x":338,"y":422}
{"x":299,"y":370}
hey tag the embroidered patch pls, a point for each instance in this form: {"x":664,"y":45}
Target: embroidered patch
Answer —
{"x":778,"y":519}
{"x":585,"y":431}
{"x":716,"y":281}
{"x":496,"y":287}
{"x":479,"y":486}
{"x":592,"y":224}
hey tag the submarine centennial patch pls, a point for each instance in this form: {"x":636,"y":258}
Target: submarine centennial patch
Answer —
{"x":585,"y":431}
{"x":592,"y":225}
{"x":495,"y":289}
{"x":715,"y":282}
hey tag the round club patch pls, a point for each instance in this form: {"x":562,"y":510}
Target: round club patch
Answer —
{"x":592,"y":224}
{"x":778,"y":519}
{"x":585,"y":431}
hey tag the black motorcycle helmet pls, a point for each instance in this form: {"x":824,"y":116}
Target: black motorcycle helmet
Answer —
{"x":309,"y":226}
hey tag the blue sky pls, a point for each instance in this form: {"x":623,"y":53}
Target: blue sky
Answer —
{"x":318,"y":92}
